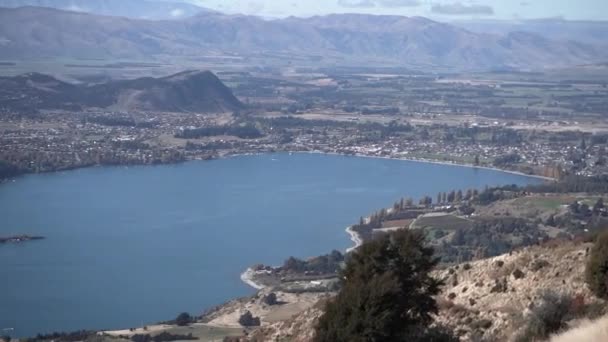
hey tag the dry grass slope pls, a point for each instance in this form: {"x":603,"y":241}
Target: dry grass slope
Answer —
{"x":588,"y":331}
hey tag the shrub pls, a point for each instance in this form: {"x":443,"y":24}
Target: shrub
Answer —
{"x":162,"y":337}
{"x":500,"y":286}
{"x":577,"y":305}
{"x":183,"y":319}
{"x":518,"y":274}
{"x":80,"y":335}
{"x":482,"y":324}
{"x":596,"y":271}
{"x":547,"y":318}
{"x":233,"y":339}
{"x":538,"y":264}
{"x":270,"y":299}
{"x":141,"y":338}
{"x":247,"y":320}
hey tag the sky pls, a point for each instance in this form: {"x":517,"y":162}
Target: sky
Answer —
{"x":437,"y":9}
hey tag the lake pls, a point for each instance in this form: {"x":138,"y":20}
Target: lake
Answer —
{"x":127,"y":246}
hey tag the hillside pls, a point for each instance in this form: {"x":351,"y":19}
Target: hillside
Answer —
{"x":33,"y":33}
{"x":191,"y":91}
{"x":474,"y":306}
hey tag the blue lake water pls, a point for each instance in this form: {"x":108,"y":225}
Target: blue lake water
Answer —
{"x":141,"y":244}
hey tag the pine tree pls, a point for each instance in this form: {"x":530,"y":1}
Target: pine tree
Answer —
{"x":387,"y":292}
{"x":451,"y":196}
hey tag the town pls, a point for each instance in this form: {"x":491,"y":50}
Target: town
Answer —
{"x":416,"y":117}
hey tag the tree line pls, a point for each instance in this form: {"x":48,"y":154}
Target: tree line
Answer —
{"x":246,"y":131}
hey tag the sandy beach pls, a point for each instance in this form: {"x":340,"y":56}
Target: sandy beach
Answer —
{"x":247,"y":278}
{"x":355,"y":238}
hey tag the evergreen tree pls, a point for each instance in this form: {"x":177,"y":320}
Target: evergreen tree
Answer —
{"x":584,"y":145}
{"x":459,"y":196}
{"x":451,"y":196}
{"x":387,"y":292}
{"x":183,"y":319}
{"x":599,"y":205}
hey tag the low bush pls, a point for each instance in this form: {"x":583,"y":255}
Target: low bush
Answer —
{"x":270,"y":299}
{"x":183,"y":319}
{"x":547,"y":318}
{"x":518,"y":274}
{"x":162,"y":337}
{"x":247,"y":320}
{"x":538,"y":264}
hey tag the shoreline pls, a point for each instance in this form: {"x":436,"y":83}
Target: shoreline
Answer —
{"x":355,"y":238}
{"x":432,"y":161}
{"x":247,"y":278}
{"x":238,"y":154}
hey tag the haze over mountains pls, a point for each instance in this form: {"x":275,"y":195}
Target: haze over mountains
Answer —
{"x":190,"y":91}
{"x":415,"y":42}
{"x":141,"y":9}
{"x":589,"y":32}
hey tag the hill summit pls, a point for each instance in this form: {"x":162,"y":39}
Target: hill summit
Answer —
{"x":189,"y":91}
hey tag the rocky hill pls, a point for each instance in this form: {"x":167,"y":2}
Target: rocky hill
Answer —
{"x":34,"y":32}
{"x":190,"y":91}
{"x":491,"y":299}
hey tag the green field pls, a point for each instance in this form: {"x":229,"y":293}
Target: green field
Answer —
{"x":444,"y":222}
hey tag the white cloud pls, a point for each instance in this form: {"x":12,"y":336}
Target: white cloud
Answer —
{"x":356,"y":3}
{"x":176,"y":13}
{"x":378,"y":3}
{"x":462,"y":9}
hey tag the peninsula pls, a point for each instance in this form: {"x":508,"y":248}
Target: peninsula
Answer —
{"x":19,"y":238}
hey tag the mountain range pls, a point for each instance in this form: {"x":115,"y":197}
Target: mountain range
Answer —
{"x":189,"y":91}
{"x":588,"y":32}
{"x":44,"y":33}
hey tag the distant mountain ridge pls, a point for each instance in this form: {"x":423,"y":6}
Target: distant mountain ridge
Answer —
{"x":189,"y":91}
{"x":589,"y":32}
{"x":34,"y":33}
{"x":140,"y":9}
